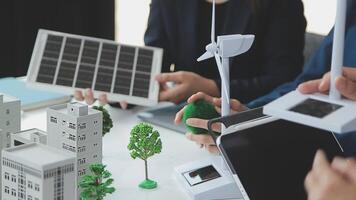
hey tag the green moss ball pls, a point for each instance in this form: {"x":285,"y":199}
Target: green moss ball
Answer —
{"x":199,"y":109}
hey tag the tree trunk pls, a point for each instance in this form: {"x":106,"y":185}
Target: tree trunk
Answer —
{"x":146,"y":169}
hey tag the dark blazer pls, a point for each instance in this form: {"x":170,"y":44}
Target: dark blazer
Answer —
{"x":276,"y":55}
{"x":21,"y":19}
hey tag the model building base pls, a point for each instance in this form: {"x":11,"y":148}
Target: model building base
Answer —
{"x":148,"y":184}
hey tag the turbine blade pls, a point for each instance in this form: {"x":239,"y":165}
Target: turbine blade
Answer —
{"x":205,"y":56}
{"x":223,"y":77}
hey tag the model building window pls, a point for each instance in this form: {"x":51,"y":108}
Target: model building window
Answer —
{"x":68,"y":147}
{"x":37,"y":187}
{"x":82,"y":161}
{"x":81,"y":149}
{"x":29,"y":197}
{"x":7,"y":176}
{"x":82,"y":125}
{"x":81,"y":172}
{"x":7,"y":190}
{"x":29,"y":185}
{"x":7,"y":111}
{"x":13,"y":192}
{"x":64,"y":122}
{"x":7,"y":123}
{"x":13,"y":178}
{"x":95,"y":133}
{"x":72,"y":126}
{"x":82,"y":138}
{"x":53,"y":119}
{"x":71,"y":137}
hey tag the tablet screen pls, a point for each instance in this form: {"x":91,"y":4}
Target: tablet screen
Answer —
{"x":272,"y":160}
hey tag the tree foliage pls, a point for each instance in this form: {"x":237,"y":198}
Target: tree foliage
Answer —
{"x":97,"y":185}
{"x":144,"y":142}
{"x":107,"y":121}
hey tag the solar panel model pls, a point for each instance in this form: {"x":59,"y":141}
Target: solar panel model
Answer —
{"x":66,"y":62}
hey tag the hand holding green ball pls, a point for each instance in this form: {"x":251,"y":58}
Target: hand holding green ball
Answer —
{"x":200,"y":109}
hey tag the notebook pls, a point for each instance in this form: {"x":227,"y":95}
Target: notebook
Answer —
{"x":31,"y":98}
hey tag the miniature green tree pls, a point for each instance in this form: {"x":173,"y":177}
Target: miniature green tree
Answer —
{"x":107,"y":121}
{"x":144,"y":143}
{"x":97,"y":185}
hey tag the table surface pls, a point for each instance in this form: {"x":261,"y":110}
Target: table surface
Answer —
{"x":128,"y":173}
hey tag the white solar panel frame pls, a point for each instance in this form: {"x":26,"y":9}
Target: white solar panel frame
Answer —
{"x":39,"y":51}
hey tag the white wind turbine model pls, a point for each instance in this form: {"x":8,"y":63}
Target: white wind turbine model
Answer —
{"x":227,"y":46}
{"x":223,"y":186}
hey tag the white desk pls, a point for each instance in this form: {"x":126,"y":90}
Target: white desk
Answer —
{"x":128,"y":173}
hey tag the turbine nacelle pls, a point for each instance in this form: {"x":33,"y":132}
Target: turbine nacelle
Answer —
{"x":234,"y":45}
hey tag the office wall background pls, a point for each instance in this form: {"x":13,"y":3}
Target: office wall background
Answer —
{"x":131,"y":18}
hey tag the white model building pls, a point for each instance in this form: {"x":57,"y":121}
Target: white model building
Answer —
{"x":38,"y":172}
{"x":76,"y":128}
{"x":28,"y":136}
{"x":10,"y":120}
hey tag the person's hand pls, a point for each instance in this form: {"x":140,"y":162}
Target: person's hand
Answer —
{"x":185,"y":85}
{"x":203,"y":140}
{"x":88,"y":96}
{"x":331,"y":181}
{"x":346,"y":84}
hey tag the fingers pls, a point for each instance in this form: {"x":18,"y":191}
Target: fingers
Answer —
{"x":321,"y":163}
{"x":320,"y":85}
{"x":173,"y":94}
{"x":78,"y":95}
{"x":310,"y":181}
{"x":350,"y":73}
{"x":174,"y":76}
{"x":309,"y":87}
{"x":347,"y":167}
{"x":200,"y":96}
{"x":235,"y":105}
{"x":205,"y":140}
{"x":213,"y":149}
{"x":321,"y":170}
{"x":202,"y":123}
{"x":346,"y":87}
{"x":179,"y":116}
{"x":103,"y":99}
{"x":325,"y":83}
{"x":124,"y":105}
{"x":89,"y":97}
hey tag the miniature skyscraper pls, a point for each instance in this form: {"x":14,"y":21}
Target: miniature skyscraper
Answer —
{"x":38,"y":172}
{"x":10,"y":120}
{"x":76,"y":128}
